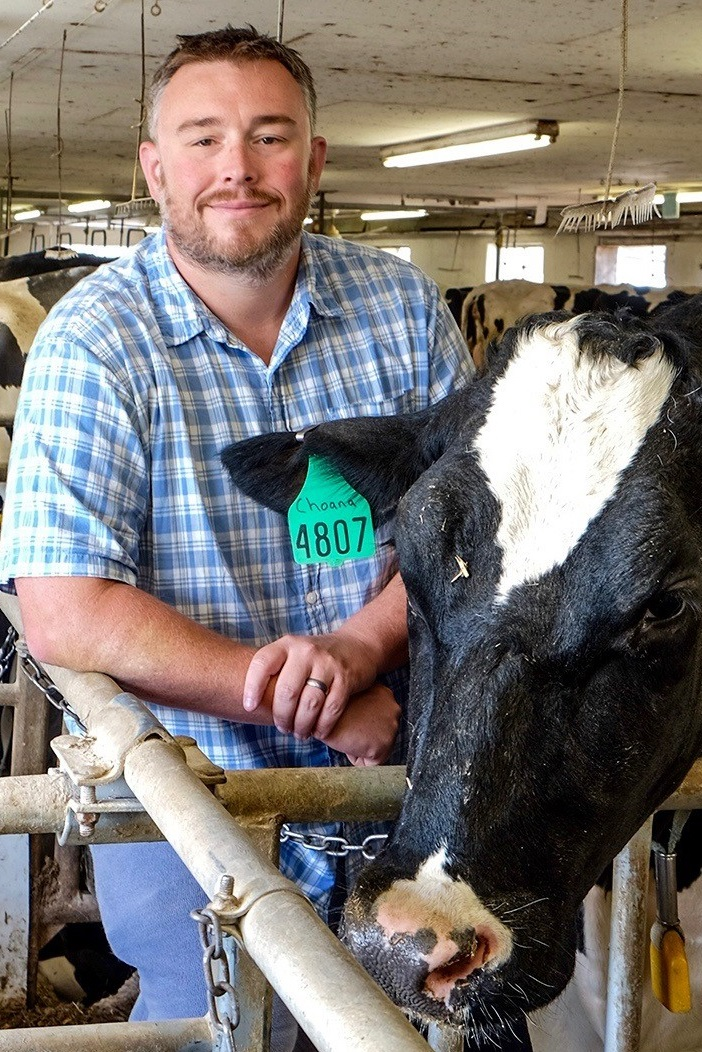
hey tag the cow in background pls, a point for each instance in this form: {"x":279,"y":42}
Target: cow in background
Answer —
{"x":24,"y":303}
{"x":29,"y":264}
{"x":549,"y":533}
{"x":489,"y":309}
{"x":455,"y":298}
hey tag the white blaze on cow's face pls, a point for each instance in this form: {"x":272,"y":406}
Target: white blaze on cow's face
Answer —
{"x":560,"y":413}
{"x":463,"y":934}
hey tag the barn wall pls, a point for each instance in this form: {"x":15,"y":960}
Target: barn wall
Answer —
{"x":454,"y":258}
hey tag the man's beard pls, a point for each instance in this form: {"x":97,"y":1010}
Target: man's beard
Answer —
{"x":249,"y":254}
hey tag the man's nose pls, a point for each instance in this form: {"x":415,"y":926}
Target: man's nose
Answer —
{"x":239,"y":163}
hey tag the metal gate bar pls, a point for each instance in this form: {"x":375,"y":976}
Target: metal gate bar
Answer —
{"x":330,"y":983}
{"x":37,"y":803}
{"x":173,"y":1035}
{"x":627,"y":947}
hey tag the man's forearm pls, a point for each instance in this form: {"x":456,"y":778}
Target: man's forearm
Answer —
{"x":381,"y":625}
{"x":92,"y":624}
{"x":151,"y":649}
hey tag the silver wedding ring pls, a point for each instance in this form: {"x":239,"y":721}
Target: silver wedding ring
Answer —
{"x":319,"y":684}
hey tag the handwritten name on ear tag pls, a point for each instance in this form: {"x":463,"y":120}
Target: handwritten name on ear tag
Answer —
{"x":329,"y":521}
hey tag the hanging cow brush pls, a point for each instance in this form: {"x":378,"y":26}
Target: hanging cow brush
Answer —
{"x":637,"y":204}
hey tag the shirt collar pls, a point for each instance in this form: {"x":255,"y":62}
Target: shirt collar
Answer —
{"x":182,"y":314}
{"x":313,"y":277}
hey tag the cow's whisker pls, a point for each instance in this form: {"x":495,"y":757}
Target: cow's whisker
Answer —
{"x":526,"y":905}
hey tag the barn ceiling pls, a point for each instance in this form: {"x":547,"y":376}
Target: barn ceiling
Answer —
{"x":387,"y":71}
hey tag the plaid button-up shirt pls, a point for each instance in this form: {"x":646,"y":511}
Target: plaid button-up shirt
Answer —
{"x":131,"y":391}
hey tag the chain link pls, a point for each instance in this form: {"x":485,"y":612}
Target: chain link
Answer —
{"x":335,"y":846}
{"x":212,"y":941}
{"x":7,"y":653}
{"x":36,"y":675}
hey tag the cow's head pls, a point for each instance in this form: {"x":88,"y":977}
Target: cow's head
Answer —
{"x":549,"y":531}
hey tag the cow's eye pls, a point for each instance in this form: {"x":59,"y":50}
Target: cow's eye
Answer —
{"x":665,"y":606}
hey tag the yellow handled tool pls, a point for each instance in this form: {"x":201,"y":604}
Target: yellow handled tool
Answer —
{"x":670,"y":977}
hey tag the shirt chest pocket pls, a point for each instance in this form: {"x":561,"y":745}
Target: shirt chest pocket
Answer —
{"x":379,"y":383}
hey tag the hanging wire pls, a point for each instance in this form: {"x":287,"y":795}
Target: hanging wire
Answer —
{"x":44,"y":7}
{"x":281,"y":15}
{"x":142,"y":102}
{"x":59,"y":144}
{"x":623,"y":56}
{"x":8,"y":133}
{"x":637,"y":204}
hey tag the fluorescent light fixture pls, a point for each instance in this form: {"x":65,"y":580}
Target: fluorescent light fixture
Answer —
{"x":685,"y":197}
{"x":479,"y":142}
{"x":83,"y":207}
{"x":30,"y":213}
{"x":397,"y":213}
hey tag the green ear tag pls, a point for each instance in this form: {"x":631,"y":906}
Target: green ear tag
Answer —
{"x":329,"y":521}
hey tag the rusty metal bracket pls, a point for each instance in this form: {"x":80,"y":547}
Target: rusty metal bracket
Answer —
{"x":97,"y":787}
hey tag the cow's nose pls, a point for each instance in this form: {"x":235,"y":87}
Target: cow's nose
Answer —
{"x":445,"y":956}
{"x":422,"y":962}
{"x":425,"y":936}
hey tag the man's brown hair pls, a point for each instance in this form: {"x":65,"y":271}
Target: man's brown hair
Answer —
{"x":244,"y":44}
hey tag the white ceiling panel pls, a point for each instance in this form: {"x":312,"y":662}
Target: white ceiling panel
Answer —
{"x":387,"y":72}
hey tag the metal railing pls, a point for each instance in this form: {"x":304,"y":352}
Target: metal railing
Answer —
{"x":127,"y":747}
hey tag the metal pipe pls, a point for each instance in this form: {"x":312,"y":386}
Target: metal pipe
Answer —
{"x":327,"y":982}
{"x":173,"y":1035}
{"x":37,"y":803}
{"x":315,"y":793}
{"x":687,"y":796}
{"x":627,"y":945}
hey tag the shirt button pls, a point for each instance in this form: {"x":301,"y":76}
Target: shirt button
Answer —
{"x":311,"y":598}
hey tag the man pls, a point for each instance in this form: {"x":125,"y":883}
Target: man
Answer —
{"x":130,"y":552}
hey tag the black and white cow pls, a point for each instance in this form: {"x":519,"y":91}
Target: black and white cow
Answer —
{"x":548,"y":523}
{"x":488,"y":310}
{"x":24,"y":303}
{"x":29,"y":264}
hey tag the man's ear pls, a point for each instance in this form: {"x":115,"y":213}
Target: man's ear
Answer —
{"x":381,"y":457}
{"x":151,"y":167}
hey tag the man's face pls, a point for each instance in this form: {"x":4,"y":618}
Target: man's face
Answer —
{"x":234,"y":166}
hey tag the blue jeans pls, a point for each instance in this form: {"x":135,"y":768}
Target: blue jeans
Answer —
{"x":145,"y":894}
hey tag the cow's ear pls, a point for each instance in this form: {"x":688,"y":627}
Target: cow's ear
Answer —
{"x":269,"y":468}
{"x":381,"y":457}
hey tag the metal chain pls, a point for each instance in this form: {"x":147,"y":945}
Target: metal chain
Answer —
{"x":212,"y":941}
{"x":335,"y":846}
{"x":7,"y":652}
{"x":36,"y":675}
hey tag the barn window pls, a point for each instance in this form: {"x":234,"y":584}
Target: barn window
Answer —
{"x":517,"y":261}
{"x":640,"y":265}
{"x":403,"y":251}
